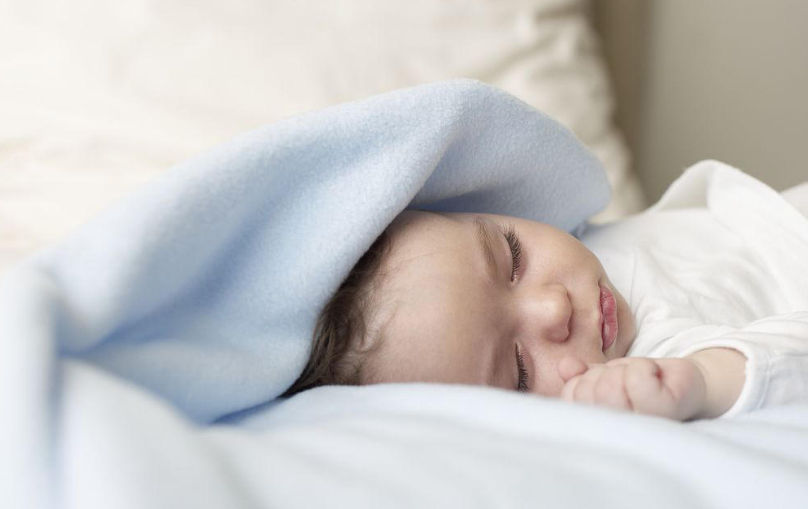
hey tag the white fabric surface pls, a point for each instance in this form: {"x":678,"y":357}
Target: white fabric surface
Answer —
{"x":404,"y":446}
{"x":97,"y":97}
{"x":720,"y":261}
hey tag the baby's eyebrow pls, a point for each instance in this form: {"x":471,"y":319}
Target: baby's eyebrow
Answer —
{"x":484,"y":239}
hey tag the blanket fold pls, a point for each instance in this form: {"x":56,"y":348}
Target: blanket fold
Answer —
{"x":203,"y":287}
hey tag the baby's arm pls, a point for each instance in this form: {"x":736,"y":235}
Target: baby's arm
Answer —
{"x":723,"y":372}
{"x":698,"y":375}
{"x":703,"y":385}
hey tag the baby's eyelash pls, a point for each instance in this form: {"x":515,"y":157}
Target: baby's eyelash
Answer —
{"x":521,"y":386}
{"x":516,"y":249}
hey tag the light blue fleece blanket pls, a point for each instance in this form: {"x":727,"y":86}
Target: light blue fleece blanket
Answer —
{"x":203,"y":287}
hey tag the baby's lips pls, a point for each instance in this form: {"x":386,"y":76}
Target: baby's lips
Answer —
{"x":609,"y":323}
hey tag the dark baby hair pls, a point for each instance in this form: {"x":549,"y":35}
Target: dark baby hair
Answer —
{"x":342,"y":325}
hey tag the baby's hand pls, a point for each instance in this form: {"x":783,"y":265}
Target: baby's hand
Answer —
{"x":673,"y":388}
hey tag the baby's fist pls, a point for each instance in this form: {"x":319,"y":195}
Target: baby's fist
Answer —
{"x":673,"y":388}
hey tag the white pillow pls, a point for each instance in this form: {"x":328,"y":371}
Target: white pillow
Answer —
{"x":100,"y":96}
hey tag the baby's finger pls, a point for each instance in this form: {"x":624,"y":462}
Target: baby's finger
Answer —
{"x":584,"y":391}
{"x":610,"y":388}
{"x":568,"y":390}
{"x":572,"y":371}
{"x":620,"y":361}
{"x":643,"y":387}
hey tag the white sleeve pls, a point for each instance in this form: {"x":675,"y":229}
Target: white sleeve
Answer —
{"x":776,"y":350}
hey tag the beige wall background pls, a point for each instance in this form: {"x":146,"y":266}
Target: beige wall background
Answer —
{"x":718,"y":79}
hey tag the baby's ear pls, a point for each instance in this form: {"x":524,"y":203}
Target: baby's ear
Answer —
{"x":569,"y":367}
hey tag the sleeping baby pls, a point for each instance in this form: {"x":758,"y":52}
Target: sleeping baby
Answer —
{"x":696,"y":308}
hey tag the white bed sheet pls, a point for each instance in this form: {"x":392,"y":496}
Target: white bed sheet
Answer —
{"x":422,"y":446}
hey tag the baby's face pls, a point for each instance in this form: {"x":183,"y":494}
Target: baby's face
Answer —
{"x":492,"y":300}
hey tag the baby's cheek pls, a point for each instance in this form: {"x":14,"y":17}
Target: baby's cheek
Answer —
{"x":549,"y":386}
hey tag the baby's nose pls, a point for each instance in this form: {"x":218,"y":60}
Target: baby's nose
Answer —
{"x":548,"y":312}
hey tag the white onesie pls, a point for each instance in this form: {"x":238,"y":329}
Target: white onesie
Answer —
{"x":720,"y":260}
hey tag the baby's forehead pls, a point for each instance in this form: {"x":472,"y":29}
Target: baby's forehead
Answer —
{"x":413,"y":222}
{"x":433,"y":258}
{"x":424,"y":238}
{"x":411,"y":225}
{"x":430,"y":299}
